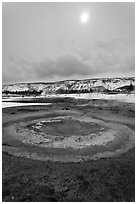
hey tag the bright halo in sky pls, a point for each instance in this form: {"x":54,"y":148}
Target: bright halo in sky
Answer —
{"x":84,"y":17}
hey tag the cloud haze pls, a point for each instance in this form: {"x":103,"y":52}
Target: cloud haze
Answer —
{"x":78,"y":54}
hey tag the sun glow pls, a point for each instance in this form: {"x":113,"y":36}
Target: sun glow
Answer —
{"x":84,"y":17}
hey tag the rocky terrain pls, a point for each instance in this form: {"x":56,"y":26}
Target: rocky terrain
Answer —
{"x":100,"y":85}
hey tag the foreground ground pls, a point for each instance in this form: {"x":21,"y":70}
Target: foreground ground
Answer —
{"x":105,"y":179}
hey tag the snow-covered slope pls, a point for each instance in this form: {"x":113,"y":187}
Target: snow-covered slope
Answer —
{"x":102,"y":85}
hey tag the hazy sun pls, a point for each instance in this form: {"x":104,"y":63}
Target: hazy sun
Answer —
{"x":84,"y":17}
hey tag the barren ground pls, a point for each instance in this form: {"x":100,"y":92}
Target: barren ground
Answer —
{"x":69,"y":174}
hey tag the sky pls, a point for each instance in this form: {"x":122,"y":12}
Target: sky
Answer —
{"x":49,"y":41}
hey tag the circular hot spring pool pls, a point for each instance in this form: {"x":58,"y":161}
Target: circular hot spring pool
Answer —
{"x":65,"y":132}
{"x":67,"y":137}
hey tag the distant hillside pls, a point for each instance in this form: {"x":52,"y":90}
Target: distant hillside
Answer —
{"x":101,"y":85}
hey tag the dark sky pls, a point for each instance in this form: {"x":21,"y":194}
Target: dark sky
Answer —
{"x":48,"y":41}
